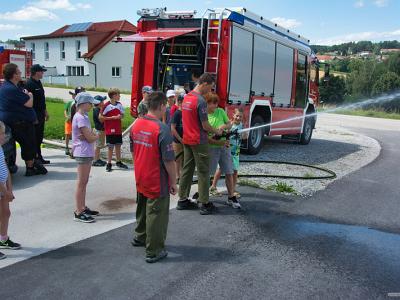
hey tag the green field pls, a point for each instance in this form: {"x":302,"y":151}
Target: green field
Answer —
{"x":54,"y":128}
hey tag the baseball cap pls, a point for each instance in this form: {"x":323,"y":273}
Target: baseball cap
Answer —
{"x":98,"y":99}
{"x":147,"y":89}
{"x":83,"y":98}
{"x":78,"y":89}
{"x":171,"y":93}
{"x":38,"y":68}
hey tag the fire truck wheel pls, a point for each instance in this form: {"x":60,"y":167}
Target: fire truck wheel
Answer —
{"x":308,"y":127}
{"x":256,"y":137}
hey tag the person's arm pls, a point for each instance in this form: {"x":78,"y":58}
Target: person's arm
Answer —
{"x":175,"y":132}
{"x":212,"y":141}
{"x":29,"y":103}
{"x":168,"y":156}
{"x":207,"y":127}
{"x":170,"y":166}
{"x":88,"y":134}
{"x":203,"y":116}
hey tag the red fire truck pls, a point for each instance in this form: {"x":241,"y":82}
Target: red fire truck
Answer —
{"x":23,"y":59}
{"x":268,"y":71}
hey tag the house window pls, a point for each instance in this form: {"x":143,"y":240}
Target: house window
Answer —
{"x":46,"y":51}
{"x":62,"y":50}
{"x":116,"y":72}
{"x":78,"y":49}
{"x":33,"y":48}
{"x":75,"y":71}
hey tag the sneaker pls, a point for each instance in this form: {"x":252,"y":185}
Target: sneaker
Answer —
{"x":82,"y":217}
{"x":121,"y":165}
{"x":9,"y":244}
{"x":90,"y":212}
{"x":233,"y":202}
{"x":2,"y":256}
{"x":67,"y":151}
{"x":186,"y":205}
{"x":30,"y":171}
{"x":159,"y":256}
{"x":43,"y":161}
{"x":195,"y":196}
{"x":207,"y":209}
{"x":109,"y":167}
{"x":99,"y":163}
{"x":39,"y":168}
{"x":136,"y":243}
{"x":215,"y":192}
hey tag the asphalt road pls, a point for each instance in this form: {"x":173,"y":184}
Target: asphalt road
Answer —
{"x":341,"y":243}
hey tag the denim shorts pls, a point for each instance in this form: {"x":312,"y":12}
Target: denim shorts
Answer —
{"x":220,"y":156}
{"x":83,"y":160}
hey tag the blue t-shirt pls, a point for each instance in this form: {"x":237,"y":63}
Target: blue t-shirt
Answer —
{"x":12,"y":104}
{"x":235,"y":140}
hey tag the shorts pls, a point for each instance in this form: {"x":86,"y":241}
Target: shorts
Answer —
{"x":83,"y":160}
{"x":178,"y":149}
{"x":235,"y":162}
{"x":101,"y":141}
{"x":220,"y":156}
{"x":68,"y":128}
{"x":112,"y":140}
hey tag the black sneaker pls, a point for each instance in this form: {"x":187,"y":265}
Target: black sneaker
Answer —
{"x":207,"y":209}
{"x":109,"y":167}
{"x":43,"y":161}
{"x":233,"y":202}
{"x":159,"y":256}
{"x":9,"y":244}
{"x":186,"y":205}
{"x":136,"y":243}
{"x":30,"y":171}
{"x":82,"y":217}
{"x":2,"y":256}
{"x":99,"y":163}
{"x":90,"y":212}
{"x":40,"y":169}
{"x":67,"y":151}
{"x":121,"y":165}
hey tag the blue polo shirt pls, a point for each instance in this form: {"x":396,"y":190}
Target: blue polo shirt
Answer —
{"x":12,"y":108}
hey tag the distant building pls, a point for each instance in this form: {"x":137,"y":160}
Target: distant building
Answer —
{"x":365,"y":54}
{"x":85,"y":54}
{"x":387,"y":51}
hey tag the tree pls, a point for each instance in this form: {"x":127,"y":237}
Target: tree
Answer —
{"x":332,"y":91}
{"x":393,"y":63}
{"x":387,"y":82}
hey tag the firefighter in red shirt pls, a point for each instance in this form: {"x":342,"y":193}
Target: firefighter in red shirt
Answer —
{"x":155,"y":175}
{"x":195,"y":146}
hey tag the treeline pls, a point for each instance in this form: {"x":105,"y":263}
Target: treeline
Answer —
{"x":356,"y":47}
{"x":366,"y":78}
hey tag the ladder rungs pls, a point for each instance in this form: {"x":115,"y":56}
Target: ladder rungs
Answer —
{"x":212,"y":57}
{"x":211,"y":72}
{"x":212,"y":43}
{"x":214,"y":28}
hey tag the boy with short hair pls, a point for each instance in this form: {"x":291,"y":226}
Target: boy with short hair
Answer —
{"x":6,"y":196}
{"x":99,"y":130}
{"x":143,"y":105}
{"x":112,"y":114}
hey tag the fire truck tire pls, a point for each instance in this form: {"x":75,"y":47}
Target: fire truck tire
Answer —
{"x":308,"y":128}
{"x":256,"y":137}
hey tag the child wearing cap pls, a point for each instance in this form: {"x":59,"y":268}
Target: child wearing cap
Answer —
{"x":171,"y":95}
{"x":83,"y":150}
{"x":143,"y":105}
{"x":112,"y":114}
{"x":99,"y":130}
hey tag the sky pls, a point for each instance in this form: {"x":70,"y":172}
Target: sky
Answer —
{"x":324,"y":22}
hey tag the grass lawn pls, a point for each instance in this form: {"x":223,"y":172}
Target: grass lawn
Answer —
{"x":54,"y":128}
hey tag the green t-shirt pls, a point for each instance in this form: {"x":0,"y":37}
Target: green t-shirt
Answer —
{"x":217,"y":119}
{"x":67,"y":108}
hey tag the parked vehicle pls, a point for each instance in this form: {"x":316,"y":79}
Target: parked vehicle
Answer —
{"x":267,"y":70}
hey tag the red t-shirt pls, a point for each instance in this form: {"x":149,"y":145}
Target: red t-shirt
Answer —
{"x":112,"y":127}
{"x":173,"y":110}
{"x":152,"y":146}
{"x":194,"y":112}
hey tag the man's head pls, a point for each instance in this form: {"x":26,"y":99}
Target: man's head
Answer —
{"x":206,"y":84}
{"x":196,"y":73}
{"x":37,"y":71}
{"x":12,"y":73}
{"x":157,"y":102}
{"x":146,"y":91}
{"x":114,"y":94}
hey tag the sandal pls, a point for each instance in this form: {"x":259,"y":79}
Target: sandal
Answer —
{"x":237,"y":194}
{"x":215,"y":192}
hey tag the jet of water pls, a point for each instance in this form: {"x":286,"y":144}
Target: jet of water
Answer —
{"x":352,"y":106}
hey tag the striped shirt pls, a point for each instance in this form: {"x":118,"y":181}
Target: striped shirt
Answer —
{"x":3,"y":167}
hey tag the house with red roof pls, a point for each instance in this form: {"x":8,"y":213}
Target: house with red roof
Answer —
{"x":85,"y":54}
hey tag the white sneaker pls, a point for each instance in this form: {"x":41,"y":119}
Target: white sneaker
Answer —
{"x":233,"y":202}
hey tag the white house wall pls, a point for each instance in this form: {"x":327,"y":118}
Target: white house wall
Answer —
{"x":55,"y":60}
{"x":114,"y":55}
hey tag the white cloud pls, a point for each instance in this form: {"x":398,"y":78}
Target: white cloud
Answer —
{"x":59,"y":5}
{"x":9,"y":27}
{"x":381,"y":3}
{"x":286,"y":23}
{"x":29,"y":13}
{"x":359,"y":4}
{"x":361,"y":36}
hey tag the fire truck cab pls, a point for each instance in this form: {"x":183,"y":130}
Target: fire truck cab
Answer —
{"x":268,"y":71}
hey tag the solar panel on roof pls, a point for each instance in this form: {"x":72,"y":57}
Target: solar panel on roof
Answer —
{"x":78,"y":27}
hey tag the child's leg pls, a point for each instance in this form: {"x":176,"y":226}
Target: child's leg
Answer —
{"x":66,"y":141}
{"x":4,"y":218}
{"x":229,"y":184}
{"x":235,"y":176}
{"x":217,"y":176}
{"x":110,"y":153}
{"x":81,"y":184}
{"x":97,"y":154}
{"x":118,"y":152}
